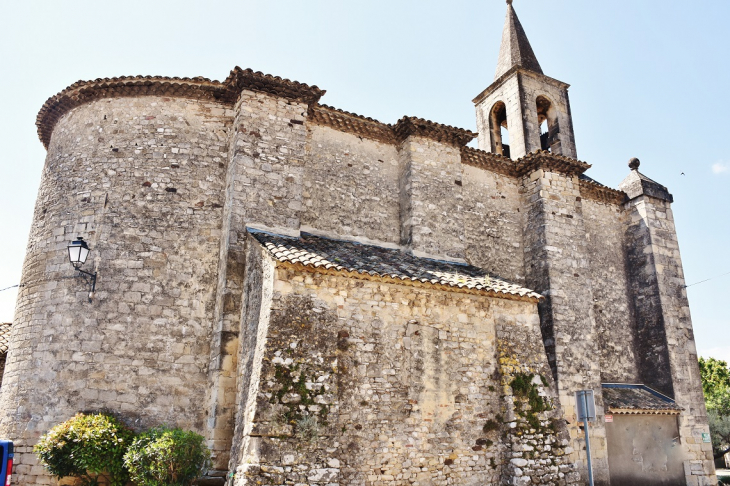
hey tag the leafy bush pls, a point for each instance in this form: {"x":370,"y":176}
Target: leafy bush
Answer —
{"x":715,"y":376}
{"x":163,"y":456}
{"x":88,"y":447}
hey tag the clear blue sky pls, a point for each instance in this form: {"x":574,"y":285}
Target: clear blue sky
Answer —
{"x":650,"y":79}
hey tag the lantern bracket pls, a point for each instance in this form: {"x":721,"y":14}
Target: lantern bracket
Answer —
{"x":91,"y":278}
{"x":78,"y":251}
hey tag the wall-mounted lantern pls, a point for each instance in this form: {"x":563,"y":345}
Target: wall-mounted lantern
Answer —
{"x":78,"y":251}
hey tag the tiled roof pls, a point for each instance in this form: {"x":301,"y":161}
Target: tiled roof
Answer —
{"x":542,"y":159}
{"x":196,"y":88}
{"x":592,"y":189}
{"x":410,"y":125}
{"x":489,"y":161}
{"x":368,"y":261}
{"x":637,"y":399}
{"x":347,"y":122}
{"x":373,"y":129}
{"x":4,"y":337}
{"x":539,"y":159}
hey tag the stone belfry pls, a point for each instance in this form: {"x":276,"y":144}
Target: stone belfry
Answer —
{"x":523,"y":110}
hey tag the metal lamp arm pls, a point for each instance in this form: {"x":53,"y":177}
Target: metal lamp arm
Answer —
{"x":92,"y":276}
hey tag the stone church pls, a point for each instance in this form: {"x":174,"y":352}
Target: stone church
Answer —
{"x":332,"y":300}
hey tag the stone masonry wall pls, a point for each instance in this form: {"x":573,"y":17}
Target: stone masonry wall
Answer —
{"x":373,"y":383}
{"x":493,"y":222}
{"x":255,"y":316}
{"x":537,"y":448}
{"x":508,"y":92}
{"x":658,"y":269}
{"x":264,"y":188}
{"x":268,"y":147}
{"x":141,"y":180}
{"x":519,"y":92}
{"x":612,"y":309}
{"x":557,"y":265}
{"x":431,"y":201}
{"x":351,"y":187}
{"x":534,"y":85}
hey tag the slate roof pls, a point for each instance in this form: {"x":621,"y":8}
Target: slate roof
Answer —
{"x":637,"y":399}
{"x":374,"y":261}
{"x":4,"y":337}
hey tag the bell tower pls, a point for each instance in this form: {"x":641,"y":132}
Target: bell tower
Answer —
{"x":523,"y":110}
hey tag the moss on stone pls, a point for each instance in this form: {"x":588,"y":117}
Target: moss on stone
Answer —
{"x":291,"y":382}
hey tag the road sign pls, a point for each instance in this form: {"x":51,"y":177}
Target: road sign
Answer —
{"x":586,"y":405}
{"x":586,"y":408}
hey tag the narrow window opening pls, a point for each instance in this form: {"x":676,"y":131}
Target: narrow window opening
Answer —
{"x":547,"y":118}
{"x":505,"y":136}
{"x":544,"y":134}
{"x":499,"y":129}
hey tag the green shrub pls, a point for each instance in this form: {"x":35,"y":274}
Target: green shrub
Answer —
{"x":88,"y":447}
{"x":163,"y":456}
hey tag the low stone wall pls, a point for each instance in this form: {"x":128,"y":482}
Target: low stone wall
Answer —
{"x":364,"y":382}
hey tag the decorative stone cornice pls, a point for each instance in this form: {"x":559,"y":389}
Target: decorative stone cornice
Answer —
{"x":500,"y":164}
{"x":241,"y":79}
{"x":351,"y":123}
{"x":489,"y":161}
{"x":590,"y":189}
{"x":542,"y":159}
{"x":517,"y":70}
{"x":373,"y":129}
{"x":194,"y":88}
{"x":409,"y":125}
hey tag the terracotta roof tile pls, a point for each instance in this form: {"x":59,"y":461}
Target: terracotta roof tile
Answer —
{"x":351,"y":123}
{"x":633,"y":399}
{"x":196,"y":88}
{"x":489,"y":161}
{"x":4,"y":337}
{"x":591,"y":189}
{"x":374,"y":261}
{"x":542,"y":159}
{"x":409,"y":125}
{"x":373,"y":129}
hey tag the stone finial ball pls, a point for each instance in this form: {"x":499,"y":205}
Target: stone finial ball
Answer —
{"x":634,"y":163}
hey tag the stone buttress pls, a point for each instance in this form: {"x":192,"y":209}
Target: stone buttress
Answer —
{"x":665,"y":340}
{"x":266,"y":157}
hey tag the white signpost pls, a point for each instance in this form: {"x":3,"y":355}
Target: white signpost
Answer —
{"x":586,"y":408}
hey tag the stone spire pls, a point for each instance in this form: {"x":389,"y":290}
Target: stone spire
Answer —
{"x":516,"y":49}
